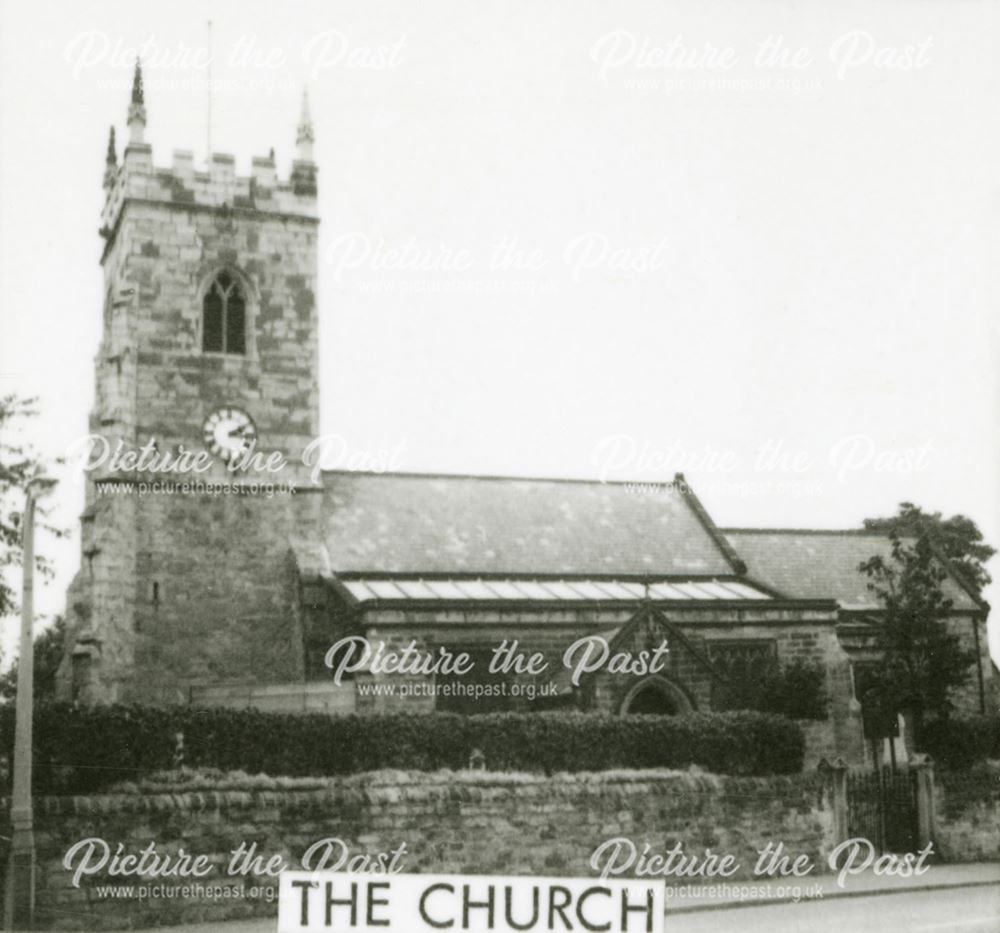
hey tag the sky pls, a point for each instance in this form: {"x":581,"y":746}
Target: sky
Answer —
{"x":753,"y":242}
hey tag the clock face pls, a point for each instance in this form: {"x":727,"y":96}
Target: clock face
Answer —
{"x":228,"y":432}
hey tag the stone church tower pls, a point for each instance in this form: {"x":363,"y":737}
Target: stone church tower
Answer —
{"x":209,"y":344}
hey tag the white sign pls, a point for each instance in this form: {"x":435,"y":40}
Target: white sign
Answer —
{"x":367,"y":903}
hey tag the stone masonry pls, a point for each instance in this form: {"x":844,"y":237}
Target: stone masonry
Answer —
{"x":162,"y":571}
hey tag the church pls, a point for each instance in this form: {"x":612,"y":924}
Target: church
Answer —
{"x":213,"y":587}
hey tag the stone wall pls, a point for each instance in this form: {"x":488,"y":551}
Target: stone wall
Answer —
{"x":214,"y":574}
{"x":967,"y":814}
{"x":974,"y":695}
{"x":466,"y":822}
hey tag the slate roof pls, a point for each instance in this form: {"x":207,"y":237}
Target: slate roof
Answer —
{"x":818,"y":564}
{"x":426,"y":524}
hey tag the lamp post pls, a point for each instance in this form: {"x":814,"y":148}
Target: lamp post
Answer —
{"x":19,"y":903}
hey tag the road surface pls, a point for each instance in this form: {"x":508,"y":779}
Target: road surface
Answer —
{"x":951,"y":910}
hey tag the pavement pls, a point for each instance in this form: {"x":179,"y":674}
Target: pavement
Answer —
{"x":945,"y":898}
{"x":685,"y":898}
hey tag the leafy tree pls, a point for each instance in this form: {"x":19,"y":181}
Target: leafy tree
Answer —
{"x":957,"y":538}
{"x":798,"y":691}
{"x":48,"y":648}
{"x":921,"y":660}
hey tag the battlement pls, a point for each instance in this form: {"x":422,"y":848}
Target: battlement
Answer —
{"x":138,"y":180}
{"x":218,"y":187}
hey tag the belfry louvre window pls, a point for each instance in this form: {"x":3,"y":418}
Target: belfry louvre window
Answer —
{"x":223,"y":326}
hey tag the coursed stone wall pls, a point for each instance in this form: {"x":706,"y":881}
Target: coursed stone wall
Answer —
{"x":967,"y":814}
{"x":468,"y":822}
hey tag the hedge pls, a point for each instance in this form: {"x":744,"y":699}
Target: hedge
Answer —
{"x":960,"y":741}
{"x":83,"y":749}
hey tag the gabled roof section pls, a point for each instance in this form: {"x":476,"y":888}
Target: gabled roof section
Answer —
{"x":822,"y":564}
{"x":424,"y":524}
{"x":646,"y":616}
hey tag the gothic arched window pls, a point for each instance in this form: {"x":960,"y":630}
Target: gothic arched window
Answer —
{"x":224,"y":317}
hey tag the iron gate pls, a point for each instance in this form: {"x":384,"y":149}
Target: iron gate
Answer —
{"x":882,"y":807}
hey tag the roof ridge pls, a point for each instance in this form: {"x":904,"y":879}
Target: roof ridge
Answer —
{"x":414,"y":474}
{"x":850,"y":532}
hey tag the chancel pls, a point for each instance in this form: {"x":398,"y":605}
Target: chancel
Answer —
{"x":209,"y":344}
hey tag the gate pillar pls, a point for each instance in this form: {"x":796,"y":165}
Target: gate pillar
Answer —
{"x":923,"y":767}
{"x":836,"y":789}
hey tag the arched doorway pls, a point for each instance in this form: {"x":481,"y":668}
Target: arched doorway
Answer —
{"x":655,"y":696}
